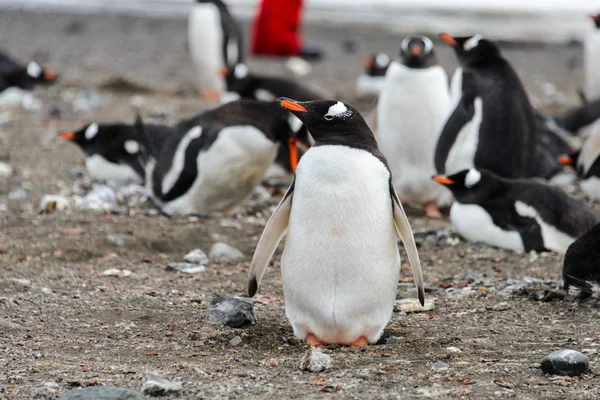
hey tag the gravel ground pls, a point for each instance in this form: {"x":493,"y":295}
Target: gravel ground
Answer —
{"x":79,"y":328}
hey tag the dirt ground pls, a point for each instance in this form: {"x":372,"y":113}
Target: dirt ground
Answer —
{"x":83,"y":329}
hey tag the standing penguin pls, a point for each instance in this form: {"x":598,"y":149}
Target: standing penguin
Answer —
{"x":112,"y":150}
{"x":492,"y":127}
{"x":581,"y":270}
{"x":371,"y":81}
{"x":515,"y":214}
{"x":215,"y":41}
{"x":18,"y":81}
{"x":411,"y":112}
{"x":340,"y":263}
{"x":587,"y":163}
{"x":591,"y":55}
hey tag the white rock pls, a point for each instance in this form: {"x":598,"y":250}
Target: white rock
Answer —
{"x":235,"y":341}
{"x":157,"y":385}
{"x":196,"y":256}
{"x":116,"y":272}
{"x":5,"y":170}
{"x":410,"y":305}
{"x":186,"y":268}
{"x":316,"y":361}
{"x":224,"y":251}
{"x":50,"y":203}
{"x":101,"y":198}
{"x":18,"y":194}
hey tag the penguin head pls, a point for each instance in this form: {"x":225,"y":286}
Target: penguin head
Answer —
{"x":236,"y":78}
{"x":31,"y":75}
{"x":417,"y":52}
{"x":330,"y":121}
{"x":596,"y":19}
{"x":470,"y":185}
{"x":85,"y":136}
{"x":376,"y":64}
{"x":472,"y":49}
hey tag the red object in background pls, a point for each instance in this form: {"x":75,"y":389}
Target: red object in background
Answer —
{"x":276,"y":29}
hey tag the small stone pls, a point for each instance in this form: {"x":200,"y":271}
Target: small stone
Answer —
{"x":3,"y":207}
{"x":229,"y":312}
{"x":235,"y":341}
{"x":410,"y":305}
{"x":186,"y":268}
{"x":116,"y":272}
{"x":115,"y":239}
{"x":7,"y":325}
{"x":565,"y":362}
{"x":20,"y":281}
{"x":224,"y":251}
{"x":314,"y":360}
{"x":437,"y":366}
{"x":18,"y":194}
{"x":101,"y":393}
{"x":101,"y":198}
{"x":196,"y":256}
{"x":76,"y":172}
{"x":158,"y":385}
{"x":5,"y":170}
{"x":392,"y":340}
{"x":51,"y":203}
{"x":454,"y":349}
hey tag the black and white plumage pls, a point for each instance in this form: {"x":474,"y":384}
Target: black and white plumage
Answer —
{"x":340,"y":263}
{"x":112,"y":150}
{"x":371,"y":81}
{"x":515,"y":214}
{"x":581,"y":120}
{"x":18,"y":81}
{"x":586,"y":161}
{"x":492,"y":126}
{"x":581,"y":270}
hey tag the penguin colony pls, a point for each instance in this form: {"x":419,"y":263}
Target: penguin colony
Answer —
{"x":473,"y":144}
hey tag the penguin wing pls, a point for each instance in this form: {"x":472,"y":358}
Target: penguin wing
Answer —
{"x":403,"y":228}
{"x":274,"y":231}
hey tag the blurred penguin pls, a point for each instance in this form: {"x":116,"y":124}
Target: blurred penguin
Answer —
{"x":587,"y":164}
{"x":372,"y":80}
{"x":591,"y":54}
{"x":18,"y":81}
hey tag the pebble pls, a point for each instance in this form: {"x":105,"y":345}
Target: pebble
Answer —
{"x":392,"y":339}
{"x":224,"y":251}
{"x":158,"y":385}
{"x":196,"y":256}
{"x":235,"y":341}
{"x":437,"y":366}
{"x":5,"y":170}
{"x":411,"y":305}
{"x":101,"y":198}
{"x":115,"y":239}
{"x":3,"y":207}
{"x":186,"y":268}
{"x":116,"y":272}
{"x":565,"y":362}
{"x":51,"y":203}
{"x":229,"y":312}
{"x":101,"y":393}
{"x":6,"y":324}
{"x":18,"y":194}
{"x":314,"y":360}
{"x":76,"y":172}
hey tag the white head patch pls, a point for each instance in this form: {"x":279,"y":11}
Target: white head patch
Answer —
{"x":34,"y":70}
{"x":473,"y":177}
{"x":91,"y":131}
{"x":131,"y":146}
{"x":472,"y":42}
{"x":428,"y":44}
{"x":382,"y":60}
{"x":339,"y":109}
{"x":240,"y":71}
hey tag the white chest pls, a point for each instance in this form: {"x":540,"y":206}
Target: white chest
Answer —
{"x":101,"y":169}
{"x":554,"y":239}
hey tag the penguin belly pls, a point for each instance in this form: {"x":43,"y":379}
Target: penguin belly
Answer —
{"x":101,"y":169}
{"x":591,"y":187}
{"x":592,"y":65}
{"x":369,"y":85}
{"x":411,"y":112}
{"x":475,"y":224}
{"x":554,"y":239}
{"x":205,"y":38}
{"x":228,"y":171}
{"x":341,"y":262}
{"x":14,"y":96}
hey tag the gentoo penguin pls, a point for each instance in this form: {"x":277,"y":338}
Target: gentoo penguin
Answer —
{"x":553,"y":141}
{"x":411,"y":112}
{"x":581,"y":120}
{"x":492,"y":127}
{"x":515,"y":214}
{"x":587,"y":164}
{"x":581,"y":270}
{"x":340,"y":263}
{"x":112,"y":150}
{"x":18,"y":81}
{"x":215,"y":42}
{"x":371,"y":81}
{"x":591,"y":60}
{"x":213,"y":166}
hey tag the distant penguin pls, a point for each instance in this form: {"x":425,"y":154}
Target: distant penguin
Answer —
{"x":553,"y":141}
{"x":18,"y":81}
{"x":587,"y":164}
{"x":215,"y":42}
{"x":340,"y":263}
{"x":371,"y":81}
{"x":492,"y":126}
{"x":581,"y":270}
{"x":581,"y":120}
{"x":591,"y":56}
{"x":515,"y":214}
{"x":411,"y":112}
{"x":214,"y":166}
{"x":112,"y":150}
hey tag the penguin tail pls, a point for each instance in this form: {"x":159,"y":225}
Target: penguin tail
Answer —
{"x":146,"y":153}
{"x":580,"y":287}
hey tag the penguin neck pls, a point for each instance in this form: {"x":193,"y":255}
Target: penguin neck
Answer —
{"x":419,"y":62}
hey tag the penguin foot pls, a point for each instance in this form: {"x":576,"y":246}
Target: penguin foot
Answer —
{"x":213,"y":95}
{"x":432,"y":210}
{"x":313,"y":341}
{"x":360,"y":342}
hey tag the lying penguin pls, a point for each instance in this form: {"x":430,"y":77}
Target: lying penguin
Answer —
{"x":112,"y":150}
{"x":214,"y":166}
{"x":340,"y":263}
{"x":582,"y":120}
{"x":515,"y":214}
{"x":587,"y":164}
{"x":18,"y":81}
{"x":372,"y":80}
{"x":581,"y":270}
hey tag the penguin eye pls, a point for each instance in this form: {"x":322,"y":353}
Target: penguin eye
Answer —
{"x":328,"y":117}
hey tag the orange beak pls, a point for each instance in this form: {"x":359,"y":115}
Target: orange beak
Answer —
{"x":293,"y":149}
{"x":223,"y":72}
{"x":448,"y":39}
{"x":49,"y":74}
{"x":67,"y":135}
{"x":565,"y":160}
{"x":415,"y":51}
{"x":292,"y":106}
{"x":444,"y":180}
{"x":594,"y":17}
{"x":368,"y":62}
